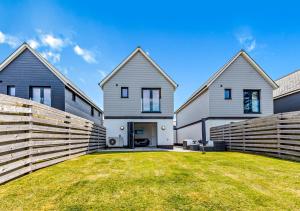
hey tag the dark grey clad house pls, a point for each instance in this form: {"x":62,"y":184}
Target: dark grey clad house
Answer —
{"x":287,"y":96}
{"x":26,"y":74}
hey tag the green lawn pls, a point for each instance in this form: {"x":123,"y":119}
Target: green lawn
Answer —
{"x":158,"y":181}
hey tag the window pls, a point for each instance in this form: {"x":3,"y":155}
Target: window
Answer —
{"x":227,"y":94}
{"x":139,"y":132}
{"x":41,"y":95}
{"x":92,"y":111}
{"x":124,"y":92}
{"x":151,"y":100}
{"x":251,"y":101}
{"x":11,"y":90}
{"x":73,"y":96}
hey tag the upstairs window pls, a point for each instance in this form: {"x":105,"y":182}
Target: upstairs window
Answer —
{"x":41,"y":95}
{"x":251,"y":101}
{"x":73,"y":96}
{"x":151,"y":100}
{"x":227,"y":94}
{"x":11,"y":90}
{"x":124,"y":92}
{"x":92,"y":111}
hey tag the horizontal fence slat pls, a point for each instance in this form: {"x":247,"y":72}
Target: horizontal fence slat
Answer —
{"x":34,"y":136}
{"x":277,"y":135}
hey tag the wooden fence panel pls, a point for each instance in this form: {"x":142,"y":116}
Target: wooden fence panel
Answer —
{"x":276,"y":135}
{"x":34,"y":136}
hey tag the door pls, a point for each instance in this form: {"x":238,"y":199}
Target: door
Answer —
{"x":130,"y":134}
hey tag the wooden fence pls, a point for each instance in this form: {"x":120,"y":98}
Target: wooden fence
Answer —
{"x":34,"y":136}
{"x":276,"y":135}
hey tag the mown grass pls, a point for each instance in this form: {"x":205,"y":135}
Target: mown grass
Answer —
{"x":158,"y":181}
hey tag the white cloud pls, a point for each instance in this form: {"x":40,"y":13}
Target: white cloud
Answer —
{"x":247,"y":41}
{"x":85,"y":54}
{"x":10,"y":40}
{"x":52,"y":41}
{"x":33,"y":43}
{"x":102,"y":73}
{"x":2,"y":37}
{"x":53,"y":57}
{"x":82,"y":80}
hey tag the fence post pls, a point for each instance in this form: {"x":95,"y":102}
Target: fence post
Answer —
{"x":30,"y":141}
{"x":98,"y":134}
{"x":69,"y":137}
{"x":223,"y":136}
{"x":279,"y":117}
{"x":243,"y":129}
{"x":229,"y":134}
{"x":88,"y":148}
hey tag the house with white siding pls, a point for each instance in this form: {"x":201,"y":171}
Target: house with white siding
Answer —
{"x":138,"y":103}
{"x":239,"y":90}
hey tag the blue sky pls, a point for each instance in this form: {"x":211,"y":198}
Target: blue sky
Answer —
{"x":190,"y":40}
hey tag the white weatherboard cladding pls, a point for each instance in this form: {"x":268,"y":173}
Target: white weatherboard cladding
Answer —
{"x":164,"y":137}
{"x":195,"y":111}
{"x":136,"y":74}
{"x":190,"y":132}
{"x":238,"y":76}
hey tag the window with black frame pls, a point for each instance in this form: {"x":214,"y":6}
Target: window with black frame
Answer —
{"x":124,"y":92}
{"x":251,"y":101}
{"x":150,"y":100}
{"x":227,"y":94}
{"x":41,"y":95}
{"x":11,"y":90}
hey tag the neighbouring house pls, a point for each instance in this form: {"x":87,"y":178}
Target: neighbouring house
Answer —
{"x":239,"y":90}
{"x":26,"y":74}
{"x":287,"y":96}
{"x":138,"y":99}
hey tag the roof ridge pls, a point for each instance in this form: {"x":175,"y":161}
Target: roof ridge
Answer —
{"x":50,"y":66}
{"x":215,"y":75}
{"x":289,"y":74}
{"x":147,"y":57}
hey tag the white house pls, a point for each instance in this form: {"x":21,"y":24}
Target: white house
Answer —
{"x":138,"y":101}
{"x":239,"y":90}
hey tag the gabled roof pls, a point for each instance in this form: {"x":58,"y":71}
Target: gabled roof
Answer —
{"x":140,"y":50}
{"x":288,"y":85}
{"x":58,"y":74}
{"x":204,"y":87}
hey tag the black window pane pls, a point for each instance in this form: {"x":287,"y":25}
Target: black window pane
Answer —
{"x":92,"y":111}
{"x":73,"y":96}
